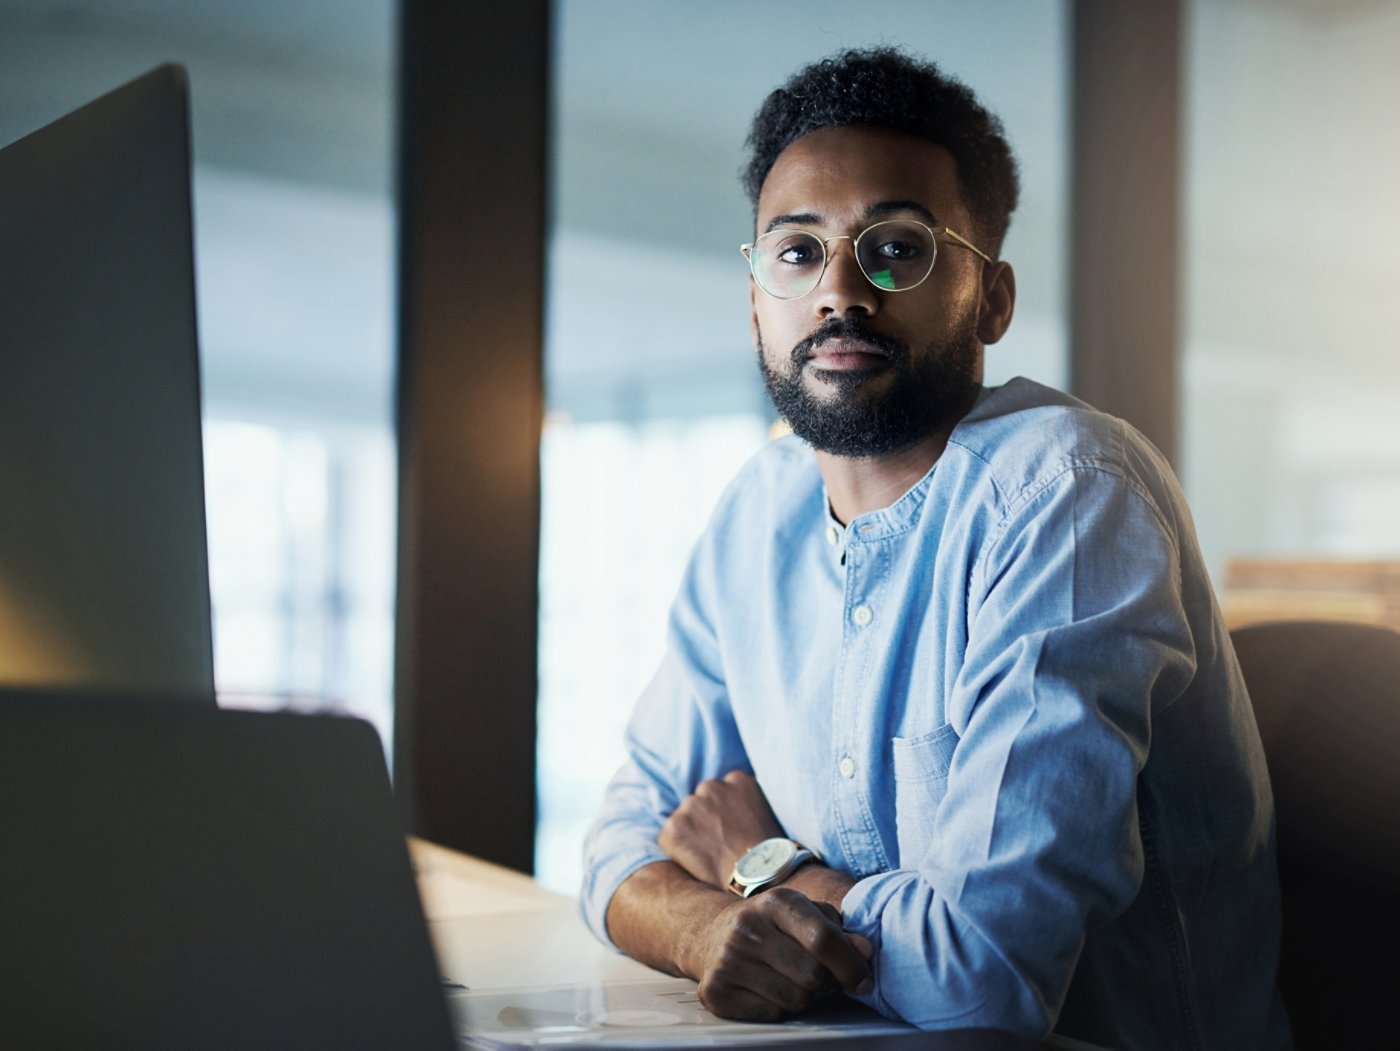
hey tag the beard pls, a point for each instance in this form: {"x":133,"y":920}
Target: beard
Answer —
{"x":863,"y":417}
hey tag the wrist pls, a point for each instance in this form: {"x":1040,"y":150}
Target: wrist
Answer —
{"x":821,"y":883}
{"x":694,"y":941}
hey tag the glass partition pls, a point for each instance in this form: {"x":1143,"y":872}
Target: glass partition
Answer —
{"x":1291,"y":383}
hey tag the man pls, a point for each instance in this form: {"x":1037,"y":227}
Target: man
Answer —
{"x":948,"y":717}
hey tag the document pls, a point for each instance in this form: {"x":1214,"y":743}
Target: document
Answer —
{"x":661,"y":1013}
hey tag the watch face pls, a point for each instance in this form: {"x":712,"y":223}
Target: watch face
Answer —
{"x":765,"y":860}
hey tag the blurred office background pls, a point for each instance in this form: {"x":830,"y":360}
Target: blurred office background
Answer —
{"x":1289,"y":396}
{"x":292,"y":113}
{"x":1290,"y":404}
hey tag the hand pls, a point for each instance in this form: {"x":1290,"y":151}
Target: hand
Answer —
{"x":715,"y":825}
{"x":765,"y":957}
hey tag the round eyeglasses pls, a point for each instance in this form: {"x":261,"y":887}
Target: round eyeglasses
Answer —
{"x":894,"y":255}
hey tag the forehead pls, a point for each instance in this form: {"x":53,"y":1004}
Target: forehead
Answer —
{"x":836,"y":173}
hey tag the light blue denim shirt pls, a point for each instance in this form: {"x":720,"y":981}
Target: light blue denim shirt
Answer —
{"x":1007,"y":704}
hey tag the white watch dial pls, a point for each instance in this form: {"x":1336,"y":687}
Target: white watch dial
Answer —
{"x":765,"y":860}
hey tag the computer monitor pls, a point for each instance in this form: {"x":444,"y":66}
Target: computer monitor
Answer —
{"x":104,"y":574}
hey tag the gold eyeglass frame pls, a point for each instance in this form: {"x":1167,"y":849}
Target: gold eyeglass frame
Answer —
{"x":934,"y":231}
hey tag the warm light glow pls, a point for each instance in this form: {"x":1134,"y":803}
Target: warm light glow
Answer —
{"x":31,"y":649}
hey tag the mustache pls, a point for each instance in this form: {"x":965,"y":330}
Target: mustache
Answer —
{"x":850,"y":329}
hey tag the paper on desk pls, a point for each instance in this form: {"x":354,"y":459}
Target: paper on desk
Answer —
{"x":663,"y":1013}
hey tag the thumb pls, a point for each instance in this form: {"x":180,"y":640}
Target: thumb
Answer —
{"x":861,"y":944}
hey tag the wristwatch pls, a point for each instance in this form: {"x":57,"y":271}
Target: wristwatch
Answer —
{"x":767,"y":863}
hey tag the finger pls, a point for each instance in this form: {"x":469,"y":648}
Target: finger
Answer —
{"x":798,"y":966}
{"x":761,"y":958}
{"x":816,"y":931}
{"x":747,"y":788}
{"x":671,"y":838}
{"x":862,"y":944}
{"x":735,"y":1002}
{"x":706,"y":789}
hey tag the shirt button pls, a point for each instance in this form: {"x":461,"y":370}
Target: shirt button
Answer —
{"x":833,"y":535}
{"x":847,"y":766}
{"x":863,"y":615}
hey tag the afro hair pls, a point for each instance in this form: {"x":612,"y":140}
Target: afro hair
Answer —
{"x":886,"y":88}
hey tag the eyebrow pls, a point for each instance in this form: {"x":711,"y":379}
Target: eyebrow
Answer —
{"x":794,"y":219}
{"x":888,"y":208}
{"x":879,"y":210}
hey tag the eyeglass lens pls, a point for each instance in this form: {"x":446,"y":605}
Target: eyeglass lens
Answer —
{"x":894,"y":255}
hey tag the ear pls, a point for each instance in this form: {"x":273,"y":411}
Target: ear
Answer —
{"x":998,"y":302}
{"x":753,"y":310}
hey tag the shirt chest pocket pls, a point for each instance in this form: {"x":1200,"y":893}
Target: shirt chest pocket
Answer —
{"x":920,"y":782}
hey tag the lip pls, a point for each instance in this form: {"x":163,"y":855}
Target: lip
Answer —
{"x":847,"y":355}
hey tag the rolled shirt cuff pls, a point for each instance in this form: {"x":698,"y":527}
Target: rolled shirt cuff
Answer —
{"x":602,"y":881}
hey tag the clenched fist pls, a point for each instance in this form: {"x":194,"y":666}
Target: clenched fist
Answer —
{"x":716,"y":824}
{"x":763,"y":958}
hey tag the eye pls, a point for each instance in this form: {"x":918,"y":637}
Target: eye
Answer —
{"x":899,"y":251}
{"x":797,"y":250}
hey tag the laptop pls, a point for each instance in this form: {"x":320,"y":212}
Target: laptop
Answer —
{"x":104,"y":574}
{"x":176,"y":876}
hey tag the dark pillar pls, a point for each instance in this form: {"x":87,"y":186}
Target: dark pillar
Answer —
{"x":474,"y":82}
{"x":1126,"y":213}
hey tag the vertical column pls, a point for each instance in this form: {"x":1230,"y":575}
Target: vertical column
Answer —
{"x":1126,"y":211}
{"x":472,"y":187}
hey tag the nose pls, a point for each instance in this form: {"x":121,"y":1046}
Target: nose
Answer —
{"x":844,"y":288}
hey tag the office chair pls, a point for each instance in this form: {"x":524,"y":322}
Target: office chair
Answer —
{"x":1327,"y":699}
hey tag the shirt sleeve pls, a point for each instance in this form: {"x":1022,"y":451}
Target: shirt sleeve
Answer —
{"x":682,"y":732}
{"x":1076,"y":633}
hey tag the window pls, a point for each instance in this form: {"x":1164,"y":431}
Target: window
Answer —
{"x":1291,"y":386}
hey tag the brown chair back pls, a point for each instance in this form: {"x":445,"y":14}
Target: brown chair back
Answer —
{"x":1327,"y":699}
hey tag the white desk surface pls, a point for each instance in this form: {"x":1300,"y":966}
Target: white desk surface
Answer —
{"x":494,"y":928}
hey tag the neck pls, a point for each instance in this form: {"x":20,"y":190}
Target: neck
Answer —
{"x":857,"y":485}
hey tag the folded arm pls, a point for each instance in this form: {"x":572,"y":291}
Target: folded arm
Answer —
{"x":756,"y":959}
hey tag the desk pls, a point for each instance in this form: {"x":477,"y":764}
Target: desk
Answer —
{"x":494,"y":928}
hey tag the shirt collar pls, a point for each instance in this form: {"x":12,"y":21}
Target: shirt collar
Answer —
{"x":903,"y":514}
{"x":898,"y":517}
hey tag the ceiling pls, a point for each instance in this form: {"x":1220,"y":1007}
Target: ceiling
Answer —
{"x":302,"y":89}
{"x":293,"y":115}
{"x":651,"y":100}
{"x":299,"y":89}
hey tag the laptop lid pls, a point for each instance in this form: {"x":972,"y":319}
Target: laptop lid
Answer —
{"x":104,"y":576}
{"x":174,"y":876}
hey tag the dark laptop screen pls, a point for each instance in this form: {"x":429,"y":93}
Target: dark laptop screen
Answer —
{"x":104,"y":577}
{"x":176,"y":876}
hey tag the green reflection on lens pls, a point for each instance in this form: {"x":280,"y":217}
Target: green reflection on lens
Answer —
{"x":883,"y":278}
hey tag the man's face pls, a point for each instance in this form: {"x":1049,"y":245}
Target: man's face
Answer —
{"x":856,"y":370}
